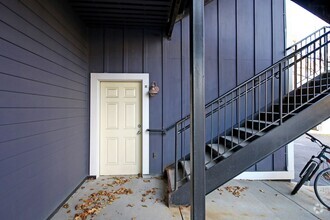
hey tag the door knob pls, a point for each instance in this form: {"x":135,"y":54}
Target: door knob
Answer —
{"x":139,"y":132}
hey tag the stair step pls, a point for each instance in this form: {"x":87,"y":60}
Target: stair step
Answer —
{"x":318,"y":82}
{"x":245,"y":132}
{"x":310,"y":90}
{"x":220,"y":150}
{"x":233,"y":141}
{"x":186,"y":167}
{"x":256,"y":124}
{"x":208,"y":160}
{"x":170,"y":171}
{"x":269,"y":116}
{"x":324,"y":75}
{"x":290,"y":107}
{"x":298,"y":98}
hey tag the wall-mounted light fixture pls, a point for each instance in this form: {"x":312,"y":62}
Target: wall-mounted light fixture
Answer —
{"x":154,"y":89}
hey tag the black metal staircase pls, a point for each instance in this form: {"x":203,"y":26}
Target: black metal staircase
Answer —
{"x":258,"y":117}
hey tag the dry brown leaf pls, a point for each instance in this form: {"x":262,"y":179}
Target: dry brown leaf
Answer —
{"x":66,"y":205}
{"x":235,"y":190}
{"x":146,"y":181}
{"x":120,"y":181}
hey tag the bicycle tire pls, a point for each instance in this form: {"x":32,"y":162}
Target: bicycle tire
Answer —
{"x":304,"y":178}
{"x":323,"y":196}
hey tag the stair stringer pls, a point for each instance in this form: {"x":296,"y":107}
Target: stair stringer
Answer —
{"x":257,"y":150}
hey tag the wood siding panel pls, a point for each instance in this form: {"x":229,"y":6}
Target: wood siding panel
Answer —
{"x":245,"y":40}
{"x":44,"y":106}
{"x":227,"y":47}
{"x":171,"y":90}
{"x":240,"y":41}
{"x":211,"y":53}
{"x":153,"y":64}
{"x":114,"y":62}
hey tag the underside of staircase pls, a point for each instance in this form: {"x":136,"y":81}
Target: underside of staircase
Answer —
{"x":287,"y":99}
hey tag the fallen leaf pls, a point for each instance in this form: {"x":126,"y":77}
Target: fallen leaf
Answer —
{"x":144,"y":206}
{"x":120,"y":181}
{"x":130,"y":205}
{"x":66,"y":205}
{"x":235,"y":190}
{"x":146,"y":181}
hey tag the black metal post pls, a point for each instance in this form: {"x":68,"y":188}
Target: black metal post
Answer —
{"x":197,"y":109}
{"x":280,"y":92}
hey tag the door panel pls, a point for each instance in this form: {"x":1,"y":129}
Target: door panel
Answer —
{"x":120,"y":134}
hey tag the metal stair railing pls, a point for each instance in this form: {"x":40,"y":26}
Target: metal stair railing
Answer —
{"x":300,"y":70}
{"x":307,"y":39}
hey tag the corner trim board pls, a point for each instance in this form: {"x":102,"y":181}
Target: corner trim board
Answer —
{"x":96,"y":79}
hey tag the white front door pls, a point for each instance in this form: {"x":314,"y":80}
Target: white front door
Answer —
{"x":120,"y":128}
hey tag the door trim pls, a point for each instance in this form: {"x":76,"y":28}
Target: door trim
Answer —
{"x":96,"y":79}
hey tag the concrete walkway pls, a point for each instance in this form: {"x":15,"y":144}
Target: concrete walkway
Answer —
{"x":135,"y":198}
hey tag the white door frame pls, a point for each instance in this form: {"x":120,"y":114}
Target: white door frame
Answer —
{"x":96,"y":79}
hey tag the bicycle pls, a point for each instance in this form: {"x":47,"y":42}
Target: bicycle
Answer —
{"x":322,"y":180}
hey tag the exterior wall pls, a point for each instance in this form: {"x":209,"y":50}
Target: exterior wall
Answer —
{"x":44,"y":107}
{"x":242,"y":38}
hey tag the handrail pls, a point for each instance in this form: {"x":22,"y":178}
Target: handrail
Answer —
{"x":253,"y":78}
{"x":260,"y":94}
{"x":309,"y":37}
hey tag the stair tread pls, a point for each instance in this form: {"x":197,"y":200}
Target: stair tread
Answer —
{"x":170,"y":177}
{"x":186,"y":166}
{"x":208,"y":162}
{"x":223,"y":151}
{"x":251,"y":131}
{"x":235,"y":140}
{"x":264,"y":122}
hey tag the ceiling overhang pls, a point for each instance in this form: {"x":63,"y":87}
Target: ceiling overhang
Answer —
{"x":161,"y":14}
{"x":320,"y":8}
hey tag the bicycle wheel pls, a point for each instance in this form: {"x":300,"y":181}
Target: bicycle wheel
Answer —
{"x":304,"y":178}
{"x":322,"y":187}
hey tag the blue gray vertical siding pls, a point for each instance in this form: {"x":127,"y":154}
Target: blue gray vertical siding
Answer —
{"x":242,"y":38}
{"x":44,"y":106}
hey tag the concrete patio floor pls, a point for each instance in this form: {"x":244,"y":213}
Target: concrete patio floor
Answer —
{"x":144,"y":198}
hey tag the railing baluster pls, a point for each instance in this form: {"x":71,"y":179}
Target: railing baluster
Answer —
{"x":308,"y":61}
{"x":326,"y":54}
{"x":238,"y":115}
{"x":259,"y":85}
{"x":176,"y":158}
{"x":219,"y":125}
{"x":280,"y":92}
{"x":314,"y":71}
{"x":273,"y":94}
{"x":246,"y":110}
{"x":266,"y":94}
{"x":225,"y":120}
{"x":211,"y":129}
{"x":232,"y":119}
